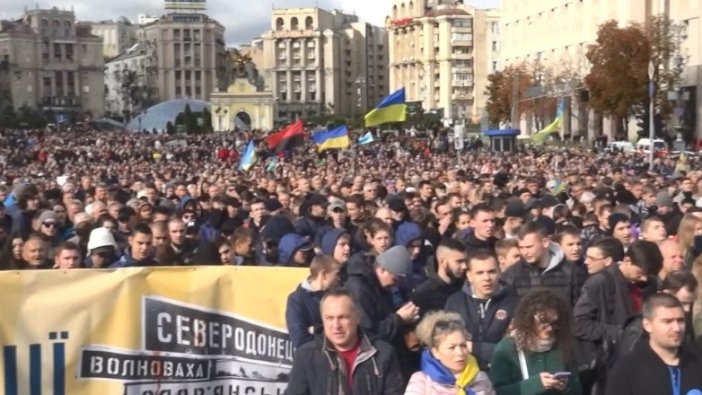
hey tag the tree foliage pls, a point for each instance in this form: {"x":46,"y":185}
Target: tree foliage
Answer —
{"x":668,"y":62}
{"x":618,"y":80}
{"x":618,"y":77}
{"x":500,"y":92}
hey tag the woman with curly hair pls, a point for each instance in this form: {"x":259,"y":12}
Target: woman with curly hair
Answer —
{"x":447,"y":365}
{"x":537,"y":357}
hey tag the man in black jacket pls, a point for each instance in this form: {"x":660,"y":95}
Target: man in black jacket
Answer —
{"x":370,"y":285}
{"x":324,"y":366}
{"x":661,"y":365}
{"x":543,"y":266}
{"x":607,"y":302}
{"x":445,"y":279}
{"x":485,"y":305}
{"x":482,"y":228}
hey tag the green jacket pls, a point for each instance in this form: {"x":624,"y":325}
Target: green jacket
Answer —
{"x":506,"y":374}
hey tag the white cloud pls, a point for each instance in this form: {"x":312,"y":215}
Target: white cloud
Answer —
{"x":242,"y":19}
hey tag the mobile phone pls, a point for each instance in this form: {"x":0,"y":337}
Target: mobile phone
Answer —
{"x":562,"y":375}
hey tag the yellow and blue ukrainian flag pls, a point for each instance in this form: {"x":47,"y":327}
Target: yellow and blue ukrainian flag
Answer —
{"x":334,"y":138}
{"x":248,"y":158}
{"x":555,"y":126}
{"x":391,"y":109}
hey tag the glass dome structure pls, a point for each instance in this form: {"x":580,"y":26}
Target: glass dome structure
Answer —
{"x":158,"y":116}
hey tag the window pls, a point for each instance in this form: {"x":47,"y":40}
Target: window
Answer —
{"x":309,"y":23}
{"x":494,"y":46}
{"x":69,"y":52}
{"x":188,"y":91}
{"x":293,"y":23}
{"x":298,"y":96}
{"x":178,"y":91}
{"x":188,"y":75}
{"x":279,"y":24}
{"x":461,"y":37}
{"x":176,"y":34}
{"x":283,"y":96}
{"x":196,"y":35}
{"x":57,"y":52}
{"x":494,"y":66}
{"x":462,"y":23}
{"x":178,"y":75}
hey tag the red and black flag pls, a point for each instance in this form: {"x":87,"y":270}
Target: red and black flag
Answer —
{"x":289,"y":137}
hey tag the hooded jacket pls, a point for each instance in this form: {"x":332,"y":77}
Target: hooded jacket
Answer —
{"x":310,"y":226}
{"x":302,"y":313}
{"x":287,"y":249}
{"x":433,"y":292}
{"x":275,"y":228}
{"x":560,"y":276}
{"x":406,"y":233}
{"x":644,"y":372}
{"x":487,"y":320}
{"x":329,"y":240}
{"x":319,"y":370}
{"x":378,"y":318}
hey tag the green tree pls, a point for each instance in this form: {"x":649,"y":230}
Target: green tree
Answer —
{"x":189,"y":120}
{"x":8,"y":117}
{"x":618,"y":77}
{"x":206,"y":120}
{"x":31,"y":117}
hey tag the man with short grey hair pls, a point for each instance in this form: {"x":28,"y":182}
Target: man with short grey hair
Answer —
{"x":345,"y":360}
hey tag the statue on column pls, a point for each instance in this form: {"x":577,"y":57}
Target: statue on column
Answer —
{"x":243,"y":67}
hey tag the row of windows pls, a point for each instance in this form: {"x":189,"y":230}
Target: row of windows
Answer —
{"x":294,"y":24}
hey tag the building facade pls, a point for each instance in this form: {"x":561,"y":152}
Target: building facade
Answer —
{"x":557,"y":34}
{"x":54,"y":63}
{"x":442,"y":53}
{"x":117,"y":36}
{"x":320,"y":62}
{"x":187,"y":54}
{"x":126,"y":82}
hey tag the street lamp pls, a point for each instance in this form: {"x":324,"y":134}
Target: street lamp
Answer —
{"x":651,"y":126}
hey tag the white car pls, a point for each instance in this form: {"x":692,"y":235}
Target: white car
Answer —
{"x":644,"y":145}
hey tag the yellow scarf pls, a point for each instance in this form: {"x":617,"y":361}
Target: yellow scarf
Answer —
{"x":469,"y":372}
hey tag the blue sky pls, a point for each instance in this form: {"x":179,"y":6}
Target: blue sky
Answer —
{"x":242,"y":23}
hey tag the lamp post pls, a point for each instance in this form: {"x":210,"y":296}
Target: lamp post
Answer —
{"x":651,"y":126}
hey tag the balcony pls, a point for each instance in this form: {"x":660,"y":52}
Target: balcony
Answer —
{"x":462,"y":56}
{"x":465,"y":83}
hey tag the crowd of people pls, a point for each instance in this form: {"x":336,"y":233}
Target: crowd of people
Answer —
{"x":430,"y":271}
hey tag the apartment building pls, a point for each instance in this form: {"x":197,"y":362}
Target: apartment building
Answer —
{"x":53,"y":63}
{"x":321,"y":62}
{"x":557,"y":33}
{"x":187,"y":55}
{"x":442,"y":52}
{"x":117,"y":36}
{"x":126,"y":81}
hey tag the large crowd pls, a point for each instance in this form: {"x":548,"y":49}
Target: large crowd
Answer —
{"x":431,"y":271}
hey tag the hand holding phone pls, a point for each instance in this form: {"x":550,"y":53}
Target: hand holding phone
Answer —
{"x":562,"y":375}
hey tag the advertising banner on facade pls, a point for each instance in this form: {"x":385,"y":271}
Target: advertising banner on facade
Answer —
{"x":146,"y":331}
